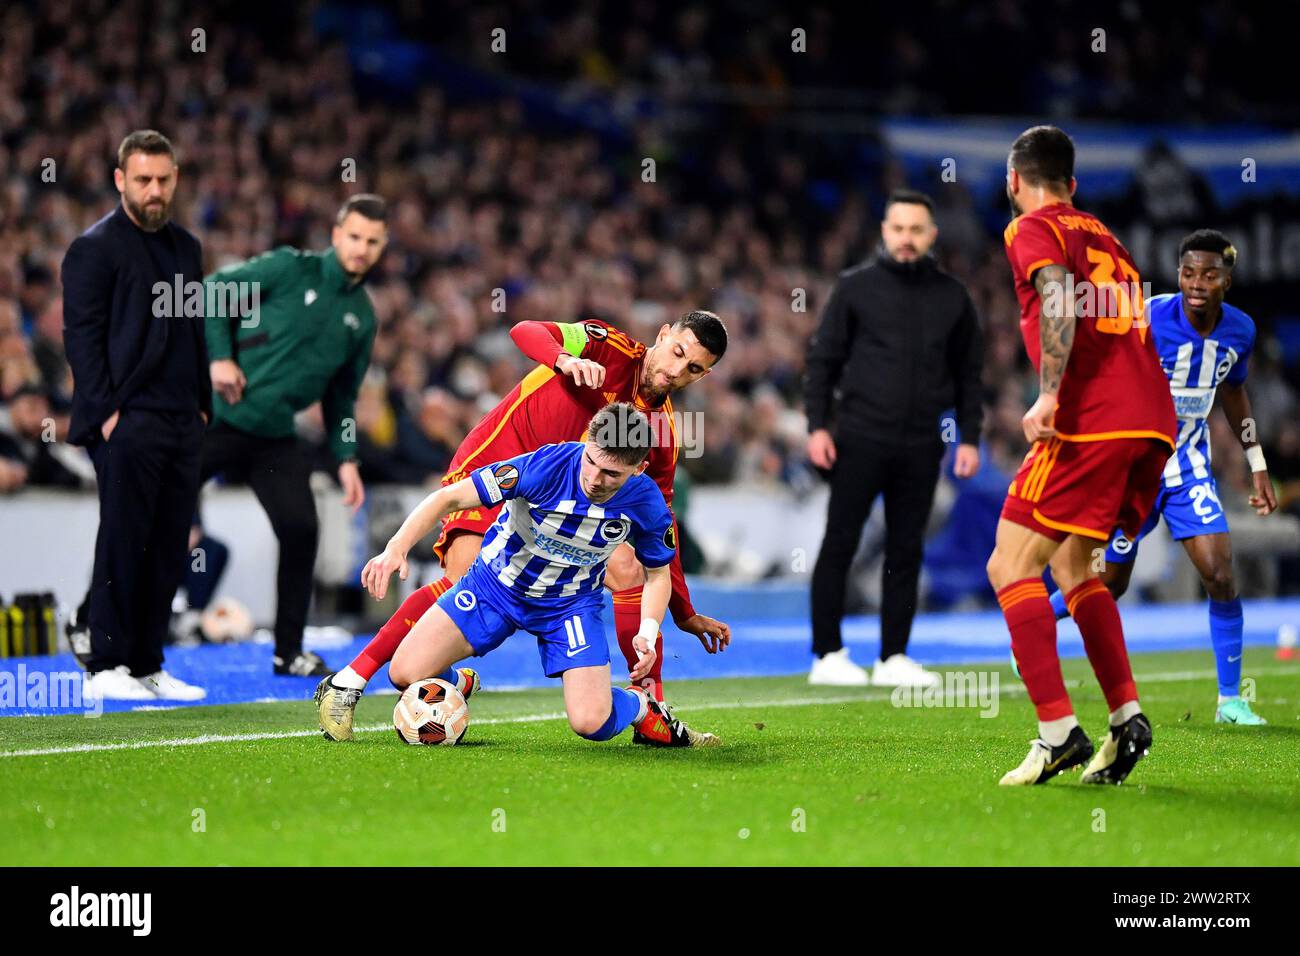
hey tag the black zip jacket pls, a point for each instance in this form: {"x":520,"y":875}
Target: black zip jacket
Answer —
{"x":898,"y":343}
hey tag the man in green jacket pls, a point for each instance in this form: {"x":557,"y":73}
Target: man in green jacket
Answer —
{"x":287,"y":329}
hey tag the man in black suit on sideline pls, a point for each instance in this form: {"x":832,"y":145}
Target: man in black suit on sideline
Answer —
{"x":141,"y":398}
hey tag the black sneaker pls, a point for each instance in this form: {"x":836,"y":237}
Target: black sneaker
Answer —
{"x":1045,"y":761}
{"x":1125,"y":745}
{"x":306,"y":664}
{"x":659,"y":728}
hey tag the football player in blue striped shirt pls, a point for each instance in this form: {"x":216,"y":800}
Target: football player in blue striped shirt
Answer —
{"x":1204,"y":344}
{"x":541,"y":568}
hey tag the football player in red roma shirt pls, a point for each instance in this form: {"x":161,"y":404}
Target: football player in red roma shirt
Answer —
{"x":1102,"y":428}
{"x":583,"y":367}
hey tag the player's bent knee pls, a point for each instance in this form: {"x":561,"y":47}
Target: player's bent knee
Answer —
{"x":1067,"y":578}
{"x":1117,"y":581}
{"x":586,"y":721}
{"x":400,"y":675}
{"x":1219,"y":584}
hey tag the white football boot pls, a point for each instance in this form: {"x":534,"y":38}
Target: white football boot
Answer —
{"x":1045,"y":761}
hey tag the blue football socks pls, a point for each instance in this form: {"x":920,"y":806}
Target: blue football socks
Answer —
{"x":1226,"y":627}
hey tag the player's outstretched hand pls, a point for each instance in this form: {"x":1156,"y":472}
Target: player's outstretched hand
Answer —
{"x":375,"y":575}
{"x":582,"y":371}
{"x":1037,"y":422}
{"x":645,"y":658}
{"x":1264,"y":499}
{"x":713,"y":634}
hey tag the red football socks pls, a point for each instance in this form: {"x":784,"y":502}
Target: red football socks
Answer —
{"x":1095,"y":613}
{"x":1032,"y":623}
{"x":383,"y":645}
{"x":627,"y":621}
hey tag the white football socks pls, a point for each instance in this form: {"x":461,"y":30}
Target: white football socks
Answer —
{"x":1125,"y":711}
{"x":349,"y":678}
{"x":1055,"y":732}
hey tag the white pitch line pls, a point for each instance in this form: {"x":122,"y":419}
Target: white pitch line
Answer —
{"x":239,"y":738}
{"x":866,"y":696}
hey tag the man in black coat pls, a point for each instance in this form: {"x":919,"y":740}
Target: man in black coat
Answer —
{"x":141,"y":398}
{"x":899,"y":342}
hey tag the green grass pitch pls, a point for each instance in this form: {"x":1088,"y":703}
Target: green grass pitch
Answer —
{"x":806,"y":776}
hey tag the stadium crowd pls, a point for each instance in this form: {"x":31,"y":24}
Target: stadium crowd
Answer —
{"x":493,"y":222}
{"x":999,"y":57}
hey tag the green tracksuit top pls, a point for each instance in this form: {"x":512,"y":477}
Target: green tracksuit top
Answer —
{"x":308,"y":340}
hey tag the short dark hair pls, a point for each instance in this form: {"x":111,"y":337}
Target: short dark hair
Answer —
{"x":148,"y":141}
{"x":911,"y":197}
{"x":1209,"y":240}
{"x":708,"y":328}
{"x":1043,"y":156}
{"x":33,"y":389}
{"x":622,"y":431}
{"x":364,"y":204}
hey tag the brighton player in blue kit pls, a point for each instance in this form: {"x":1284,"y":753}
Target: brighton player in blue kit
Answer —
{"x":568,"y":506}
{"x":1204,"y":344}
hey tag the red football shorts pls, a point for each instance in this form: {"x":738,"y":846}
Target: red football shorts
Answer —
{"x":472,"y":521}
{"x":1088,"y":488}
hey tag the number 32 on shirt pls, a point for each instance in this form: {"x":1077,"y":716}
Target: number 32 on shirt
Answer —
{"x":1126,"y":294}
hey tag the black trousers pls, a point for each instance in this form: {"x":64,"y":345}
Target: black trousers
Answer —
{"x":148,"y":475}
{"x":200,"y":585}
{"x":907,"y":477}
{"x":279,"y":471}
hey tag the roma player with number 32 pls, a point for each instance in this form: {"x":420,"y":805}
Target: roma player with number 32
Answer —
{"x":1102,"y":429}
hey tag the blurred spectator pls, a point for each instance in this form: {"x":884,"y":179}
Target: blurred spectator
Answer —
{"x":1284,"y":466}
{"x":29,"y":439}
{"x":48,"y":354}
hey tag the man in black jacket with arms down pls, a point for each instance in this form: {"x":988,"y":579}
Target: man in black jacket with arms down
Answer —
{"x":140,"y":400}
{"x":900,"y":342}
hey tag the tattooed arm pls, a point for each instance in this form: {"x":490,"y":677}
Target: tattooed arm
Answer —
{"x":1055,"y":327}
{"x":1056,"y":336}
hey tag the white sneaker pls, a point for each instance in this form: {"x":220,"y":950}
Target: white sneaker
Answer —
{"x":164,"y":686}
{"x":899,"y":670}
{"x":836,"y":670}
{"x":116,"y":684}
{"x":329,"y":637}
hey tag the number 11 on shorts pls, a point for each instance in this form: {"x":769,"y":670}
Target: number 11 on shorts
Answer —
{"x":577,"y":639}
